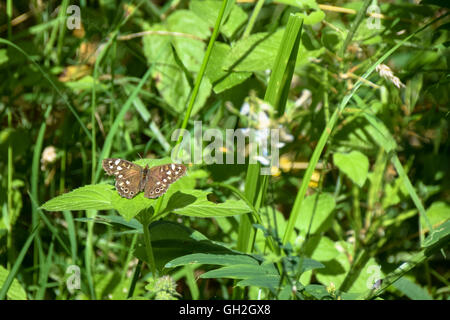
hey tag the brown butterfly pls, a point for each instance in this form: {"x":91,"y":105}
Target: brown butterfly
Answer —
{"x":132,"y":178}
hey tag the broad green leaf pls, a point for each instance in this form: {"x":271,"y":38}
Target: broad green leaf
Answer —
{"x":194,"y":203}
{"x":316,"y":210}
{"x":412,"y":290}
{"x":236,"y":20}
{"x":222,"y":259}
{"x":254,"y":53}
{"x":189,"y":50}
{"x":208,"y":10}
{"x":337,"y":269}
{"x":15,"y":291}
{"x":221,"y":79}
{"x":267,"y":281}
{"x":317,"y":291}
{"x":321,"y":248}
{"x":437,"y":213}
{"x":354,"y":164}
{"x":188,"y":22}
{"x":242,"y":271}
{"x":129,"y":208}
{"x":96,"y":197}
{"x":170,"y":79}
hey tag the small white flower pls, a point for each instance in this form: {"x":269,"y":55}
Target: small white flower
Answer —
{"x":48,"y":156}
{"x":263,"y":120}
{"x":263,"y":160}
{"x":245,"y":109}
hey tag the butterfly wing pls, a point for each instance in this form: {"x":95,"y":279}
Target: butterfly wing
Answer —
{"x":128,"y":176}
{"x":159,"y":178}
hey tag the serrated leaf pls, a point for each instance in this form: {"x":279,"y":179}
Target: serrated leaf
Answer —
{"x":90,"y":197}
{"x":354,"y":165}
{"x":194,"y":203}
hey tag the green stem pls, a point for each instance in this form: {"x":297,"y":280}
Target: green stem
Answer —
{"x":149,"y":250}
{"x":359,"y":17}
{"x":137,"y":272}
{"x":251,"y":22}
{"x":199,"y":78}
{"x":9,"y":241}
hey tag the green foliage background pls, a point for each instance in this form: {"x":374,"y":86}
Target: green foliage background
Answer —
{"x":359,"y":208}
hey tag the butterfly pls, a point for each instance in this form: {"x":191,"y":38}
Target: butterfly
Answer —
{"x":132,"y":178}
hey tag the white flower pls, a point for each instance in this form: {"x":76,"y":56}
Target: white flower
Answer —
{"x":263,"y":120}
{"x":48,"y":156}
{"x":245,"y":109}
{"x":385,"y":72}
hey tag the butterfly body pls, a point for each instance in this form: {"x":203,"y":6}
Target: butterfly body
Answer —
{"x":132,"y":178}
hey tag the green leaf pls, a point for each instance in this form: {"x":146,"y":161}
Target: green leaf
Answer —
{"x":170,"y":79}
{"x":437,"y":213}
{"x":317,"y":291}
{"x":242,"y":271}
{"x":270,"y":281}
{"x":194,"y":203}
{"x":172,"y":240}
{"x":3,"y":56}
{"x":221,"y":79}
{"x":440,"y":234}
{"x":354,"y":164}
{"x":321,"y":248}
{"x":222,"y":259}
{"x":236,"y":20}
{"x":412,"y":290}
{"x":254,"y":53}
{"x":15,"y":291}
{"x":208,"y":10}
{"x":188,"y":22}
{"x":321,"y":206}
{"x":95,"y":197}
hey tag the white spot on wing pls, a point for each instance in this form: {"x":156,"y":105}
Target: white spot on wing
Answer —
{"x":117,"y":162}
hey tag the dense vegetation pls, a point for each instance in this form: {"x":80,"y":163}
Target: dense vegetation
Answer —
{"x":357,"y":207}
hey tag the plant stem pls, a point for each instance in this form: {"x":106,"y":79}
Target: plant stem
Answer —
{"x":202,"y":70}
{"x":149,"y":250}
